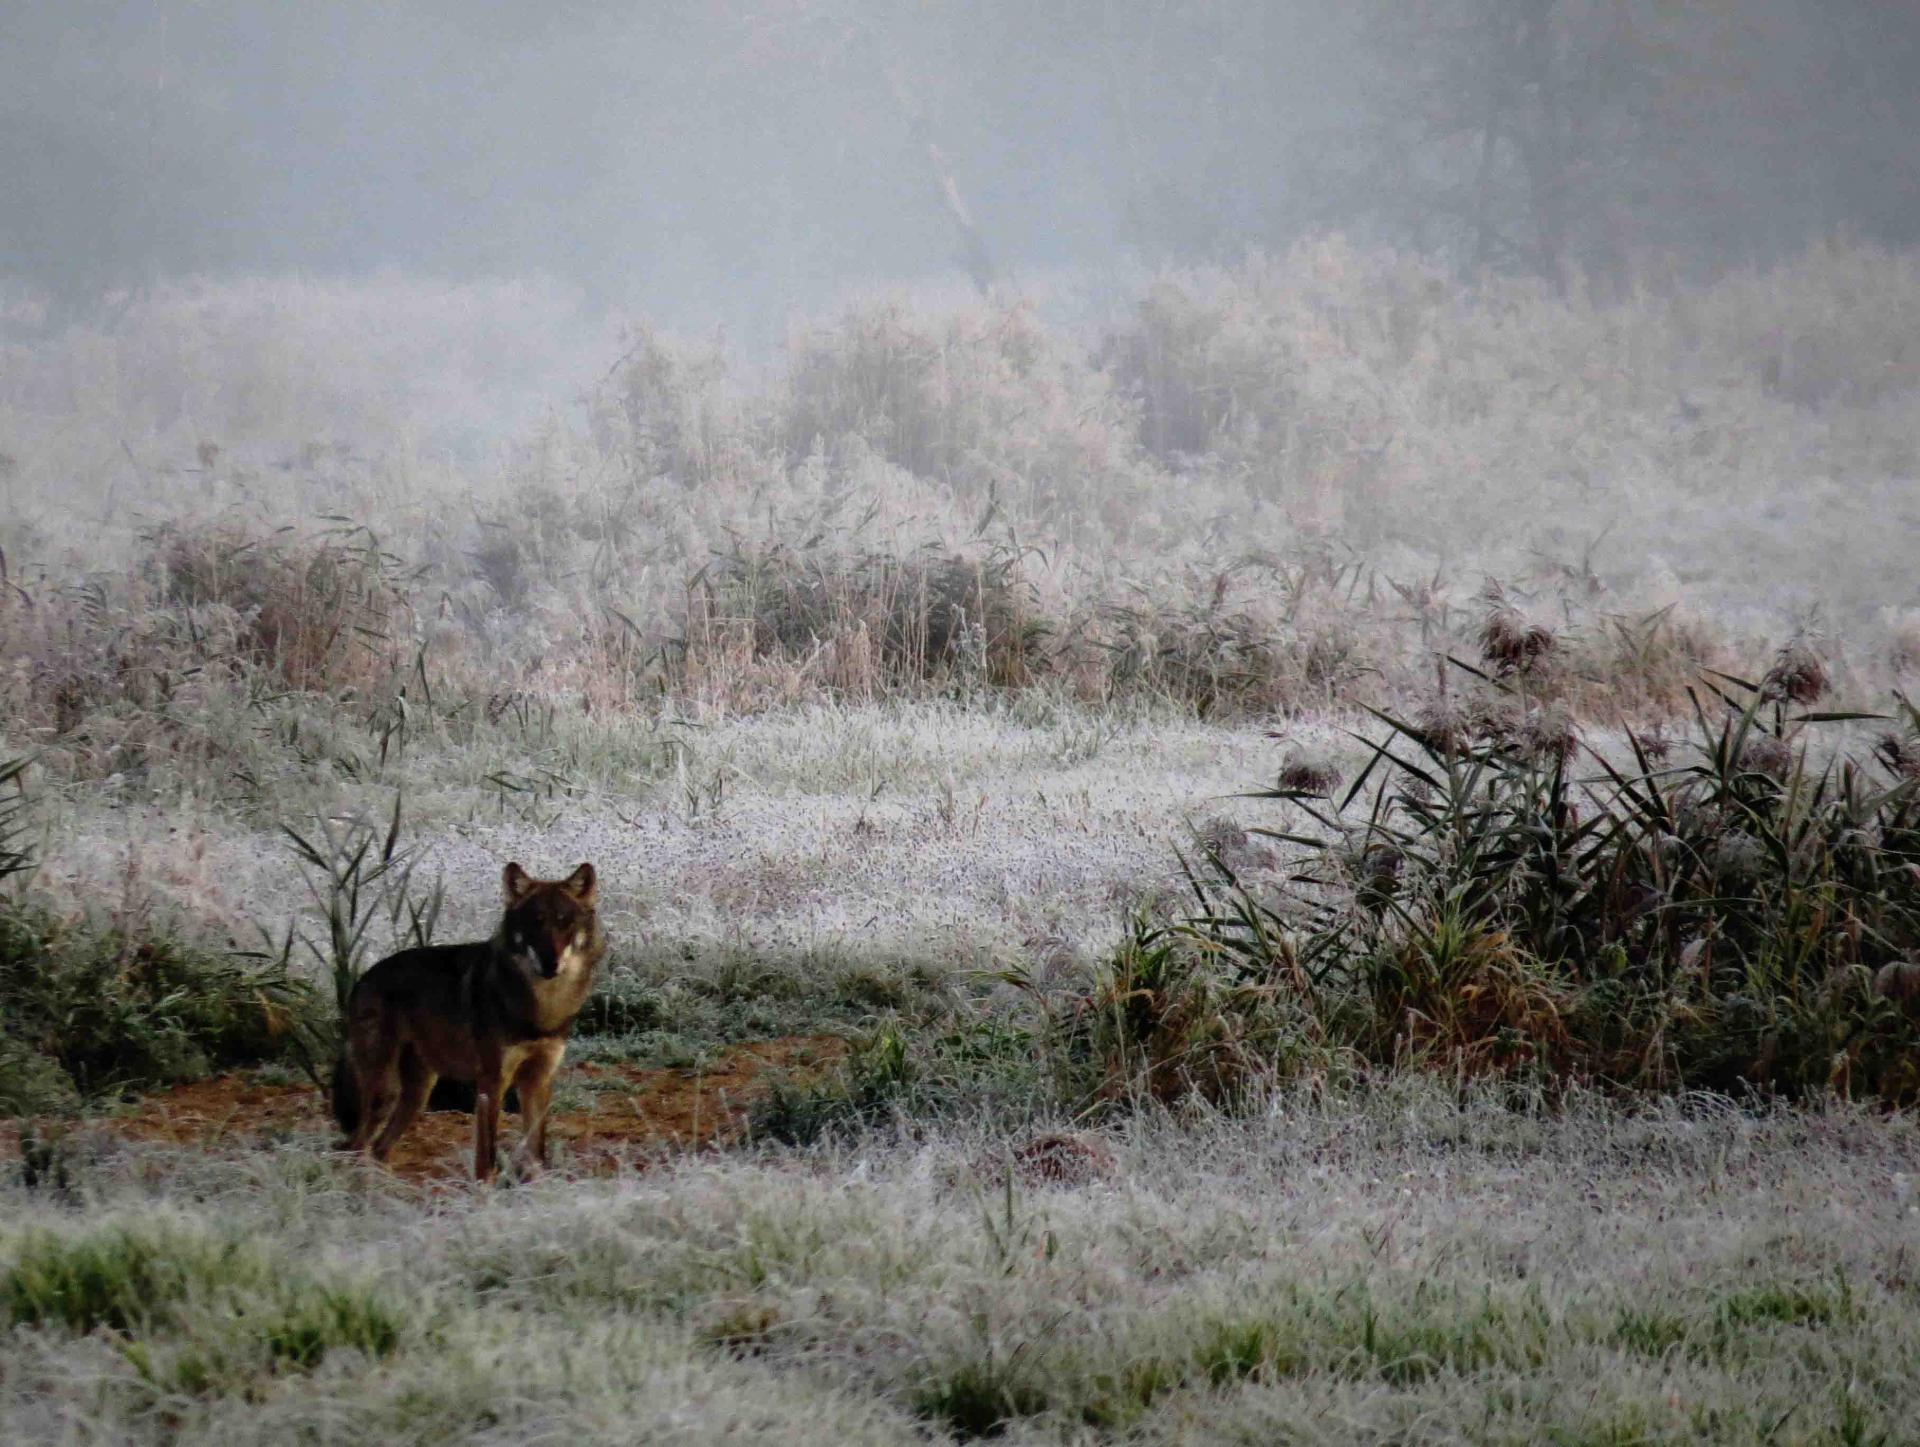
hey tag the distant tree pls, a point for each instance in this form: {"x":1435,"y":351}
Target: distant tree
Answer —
{"x":1546,"y":136}
{"x":1541,"y":134}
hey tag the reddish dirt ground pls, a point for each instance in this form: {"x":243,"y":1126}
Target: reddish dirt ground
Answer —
{"x":630,"y":1116}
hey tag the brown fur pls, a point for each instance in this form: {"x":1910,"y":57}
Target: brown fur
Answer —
{"x":496,"y":1013}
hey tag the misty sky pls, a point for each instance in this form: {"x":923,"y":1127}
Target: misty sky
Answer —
{"x":648,"y":152}
{"x":728,"y":159}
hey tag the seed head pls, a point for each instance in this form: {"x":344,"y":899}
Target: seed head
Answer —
{"x":1765,"y":754}
{"x":1309,"y":773}
{"x":1547,"y":735}
{"x":1445,"y":727}
{"x":1797,"y":676}
{"x":1899,"y":982}
{"x":1901,"y":754}
{"x":1510,"y":641}
{"x":1655,"y":744}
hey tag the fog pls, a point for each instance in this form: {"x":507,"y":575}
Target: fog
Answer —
{"x":1239,"y":676}
{"x":725,"y":163}
{"x":1459,"y":285}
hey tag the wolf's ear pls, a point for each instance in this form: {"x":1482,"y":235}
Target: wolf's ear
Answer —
{"x":516,"y":883}
{"x":583,"y":885}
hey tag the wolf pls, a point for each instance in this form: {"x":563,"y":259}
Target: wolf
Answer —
{"x":496,"y":1014}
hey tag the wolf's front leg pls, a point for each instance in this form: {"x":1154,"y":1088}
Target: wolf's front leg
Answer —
{"x":535,"y":1084}
{"x":489,"y":1087}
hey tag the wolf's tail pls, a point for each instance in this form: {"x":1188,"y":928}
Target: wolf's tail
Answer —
{"x":346,"y":1097}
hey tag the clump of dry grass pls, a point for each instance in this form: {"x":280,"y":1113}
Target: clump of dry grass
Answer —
{"x":1641,"y":667}
{"x":857,"y":626}
{"x":325,"y":613}
{"x":773,"y":623}
{"x":172,"y":665}
{"x":1468,"y":998}
{"x":1262,"y":635}
{"x":1161,"y":1023}
{"x":1216,"y":660}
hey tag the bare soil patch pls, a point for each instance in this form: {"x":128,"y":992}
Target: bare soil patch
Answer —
{"x":631,"y":1115}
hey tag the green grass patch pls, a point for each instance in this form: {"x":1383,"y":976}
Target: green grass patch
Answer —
{"x":86,"y":1012}
{"x":1649,"y":1331}
{"x":195,"y":1313}
{"x":119,"y":1279}
{"x":980,"y":1397}
{"x":1786,"y":1305}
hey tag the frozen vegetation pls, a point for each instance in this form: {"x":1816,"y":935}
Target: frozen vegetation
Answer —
{"x":1532,"y":1063}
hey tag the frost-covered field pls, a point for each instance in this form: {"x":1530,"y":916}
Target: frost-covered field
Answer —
{"x":911,"y":831}
{"x":886,"y":691}
{"x":1405,"y":1269}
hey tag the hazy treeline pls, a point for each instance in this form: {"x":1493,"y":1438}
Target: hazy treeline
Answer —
{"x":733,"y":158}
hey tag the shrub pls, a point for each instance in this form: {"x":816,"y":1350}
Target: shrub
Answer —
{"x":985,"y":398}
{"x":1714,"y":923}
{"x":861,"y":625}
{"x":323,"y":613}
{"x":87,"y":1011}
{"x":1259,"y":370}
{"x":665,"y":410}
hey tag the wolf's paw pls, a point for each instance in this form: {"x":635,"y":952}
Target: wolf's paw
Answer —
{"x":521,"y":1169}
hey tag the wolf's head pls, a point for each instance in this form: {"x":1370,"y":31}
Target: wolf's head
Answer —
{"x":552,"y":927}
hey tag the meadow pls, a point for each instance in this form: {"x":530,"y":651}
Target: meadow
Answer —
{"x":1316,"y":854}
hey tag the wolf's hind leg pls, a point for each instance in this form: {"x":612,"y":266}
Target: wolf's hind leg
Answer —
{"x":415,"y":1085}
{"x":373,"y":1065}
